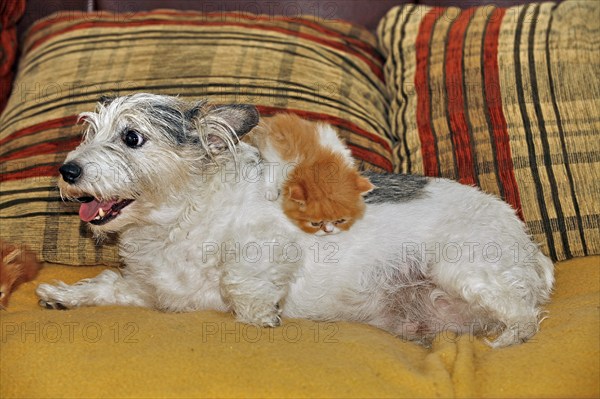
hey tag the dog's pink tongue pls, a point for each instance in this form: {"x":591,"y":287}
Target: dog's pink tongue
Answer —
{"x":89,"y":210}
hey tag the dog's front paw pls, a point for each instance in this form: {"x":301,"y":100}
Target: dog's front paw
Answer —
{"x":52,"y":305}
{"x":264,"y":317}
{"x":271,"y":321}
{"x":54,"y":296}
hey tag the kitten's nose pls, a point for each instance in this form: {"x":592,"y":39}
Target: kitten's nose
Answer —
{"x":70,"y":172}
{"x":327,"y":227}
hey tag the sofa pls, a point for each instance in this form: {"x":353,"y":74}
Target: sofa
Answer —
{"x":503,"y":95}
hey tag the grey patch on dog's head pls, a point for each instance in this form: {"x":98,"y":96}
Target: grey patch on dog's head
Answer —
{"x":173,"y":120}
{"x":393,"y":188}
{"x":106,"y":99}
{"x":147,"y":113}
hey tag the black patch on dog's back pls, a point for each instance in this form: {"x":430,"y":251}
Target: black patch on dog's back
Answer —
{"x":394,"y":187}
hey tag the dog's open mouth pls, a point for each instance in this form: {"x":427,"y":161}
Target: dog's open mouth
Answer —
{"x":100,"y":212}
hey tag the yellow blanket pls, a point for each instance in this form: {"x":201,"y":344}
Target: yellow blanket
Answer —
{"x":130,"y":352}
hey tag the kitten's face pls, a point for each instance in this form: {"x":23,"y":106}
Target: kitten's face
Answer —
{"x":324,"y":216}
{"x":313,"y":218}
{"x":326,"y":227}
{"x":325,"y":207}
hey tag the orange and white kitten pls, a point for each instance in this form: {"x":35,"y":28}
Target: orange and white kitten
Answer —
{"x":322,"y":191}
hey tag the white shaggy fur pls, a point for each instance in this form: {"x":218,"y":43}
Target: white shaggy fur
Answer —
{"x":201,"y":235}
{"x":330,"y":139}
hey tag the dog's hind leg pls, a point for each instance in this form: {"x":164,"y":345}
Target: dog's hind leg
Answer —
{"x":107,"y":288}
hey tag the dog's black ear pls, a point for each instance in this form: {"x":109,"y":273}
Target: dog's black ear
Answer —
{"x":106,"y":99}
{"x":241,"y":117}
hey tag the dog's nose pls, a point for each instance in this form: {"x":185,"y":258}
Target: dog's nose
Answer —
{"x":70,"y":172}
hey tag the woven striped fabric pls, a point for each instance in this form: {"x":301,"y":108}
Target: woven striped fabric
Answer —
{"x":10,"y":12}
{"x":329,"y":71}
{"x":506,"y":99}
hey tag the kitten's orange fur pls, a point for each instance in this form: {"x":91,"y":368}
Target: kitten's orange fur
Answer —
{"x":324,"y":190}
{"x":17,"y":265}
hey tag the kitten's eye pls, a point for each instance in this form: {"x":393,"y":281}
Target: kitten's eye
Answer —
{"x":316,"y":224}
{"x":340,"y":221}
{"x":133,"y":139}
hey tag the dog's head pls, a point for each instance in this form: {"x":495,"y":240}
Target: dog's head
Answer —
{"x":145,"y":147}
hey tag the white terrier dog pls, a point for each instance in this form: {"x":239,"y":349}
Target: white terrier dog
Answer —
{"x":196,"y":232}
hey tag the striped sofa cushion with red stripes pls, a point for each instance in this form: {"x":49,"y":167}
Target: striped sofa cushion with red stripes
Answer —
{"x":508,"y":100}
{"x":323,"y":70}
{"x":10,"y":13}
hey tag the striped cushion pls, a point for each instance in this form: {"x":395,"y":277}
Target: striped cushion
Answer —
{"x":507,"y":99}
{"x":329,"y":71}
{"x":10,"y":13}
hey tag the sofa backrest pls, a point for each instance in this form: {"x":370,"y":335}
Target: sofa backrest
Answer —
{"x":362,"y":12}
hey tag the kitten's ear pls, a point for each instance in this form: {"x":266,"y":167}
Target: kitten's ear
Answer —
{"x":241,"y":117}
{"x":364,"y":185}
{"x":13,"y":266}
{"x":297,"y":193}
{"x":10,"y":254}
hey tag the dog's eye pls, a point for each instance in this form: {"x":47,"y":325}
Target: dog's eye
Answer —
{"x":133,"y":139}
